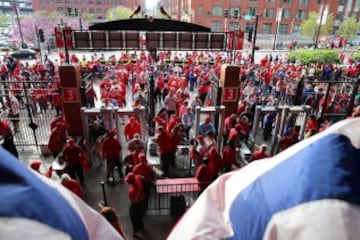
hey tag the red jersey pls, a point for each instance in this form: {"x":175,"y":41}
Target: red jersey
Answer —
{"x":229,"y":156}
{"x":259,"y":155}
{"x":145,"y":170}
{"x":56,"y":141}
{"x":73,"y":186}
{"x":136,"y":191}
{"x":71,"y":154}
{"x":111,"y":148}
{"x":131,"y":129}
{"x":164,"y":142}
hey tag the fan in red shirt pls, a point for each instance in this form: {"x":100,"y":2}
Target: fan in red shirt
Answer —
{"x":111,"y":150}
{"x":261,"y":153}
{"x":132,"y":128}
{"x":57,"y":139}
{"x":73,"y":155}
{"x":215,"y":162}
{"x":72,"y":185}
{"x":137,"y":197}
{"x":229,"y":156}
{"x":164,"y":143}
{"x":312,"y":124}
{"x":203,"y":174}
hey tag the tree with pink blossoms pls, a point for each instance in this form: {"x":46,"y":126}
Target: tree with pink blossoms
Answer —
{"x":46,"y":22}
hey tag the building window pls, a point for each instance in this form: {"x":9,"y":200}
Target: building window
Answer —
{"x":216,"y":26}
{"x":51,"y":1}
{"x":253,"y":0}
{"x":60,"y":9}
{"x":283,"y":28}
{"x":342,"y":2}
{"x":91,"y":10}
{"x":269,"y":13}
{"x":91,"y":2}
{"x":266,"y":28}
{"x":200,"y":10}
{"x":249,"y":26}
{"x":339,"y":16}
{"x":114,"y":2}
{"x":303,"y":2}
{"x":287,"y":1}
{"x":252,"y":11}
{"x":217,"y":11}
{"x":99,"y":11}
{"x":98,"y":2}
{"x":297,"y":29}
{"x":121,"y":2}
{"x":233,"y":26}
{"x":286,"y":13}
{"x":270,"y":1}
{"x":106,"y":1}
{"x":301,"y":14}
{"x":232,"y":11}
{"x":105,"y":11}
{"x":67,"y":1}
{"x":58,"y":1}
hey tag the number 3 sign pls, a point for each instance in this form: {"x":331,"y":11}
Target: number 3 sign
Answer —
{"x":230,"y":94}
{"x":70,"y":95}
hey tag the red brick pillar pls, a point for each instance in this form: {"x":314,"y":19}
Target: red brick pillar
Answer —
{"x":70,"y":81}
{"x":229,"y":82}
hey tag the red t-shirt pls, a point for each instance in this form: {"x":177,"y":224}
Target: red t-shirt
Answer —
{"x":259,"y":155}
{"x":111,"y":148}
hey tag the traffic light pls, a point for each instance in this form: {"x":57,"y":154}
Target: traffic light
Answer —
{"x":236,"y":13}
{"x":69,"y":11}
{"x":41,"y":35}
{"x":250,"y":35}
{"x":226,"y":13}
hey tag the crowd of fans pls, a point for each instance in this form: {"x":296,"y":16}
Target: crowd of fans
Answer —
{"x":182,"y":82}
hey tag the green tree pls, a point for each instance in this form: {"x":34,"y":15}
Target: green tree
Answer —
{"x":119,"y":13}
{"x":309,"y":27}
{"x":306,"y":56}
{"x":4,"y":20}
{"x":88,"y":16}
{"x":348,"y":28}
{"x":356,"y":56}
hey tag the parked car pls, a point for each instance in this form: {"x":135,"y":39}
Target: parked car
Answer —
{"x":24,"y":53}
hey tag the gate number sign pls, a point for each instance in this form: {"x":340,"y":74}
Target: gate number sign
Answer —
{"x":230,"y":94}
{"x":70,"y":95}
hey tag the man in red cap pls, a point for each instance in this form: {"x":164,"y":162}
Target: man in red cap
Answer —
{"x":137,"y":198}
{"x":132,"y":128}
{"x":111,"y":150}
{"x":229,"y":155}
{"x":73,"y":155}
{"x":35,"y":165}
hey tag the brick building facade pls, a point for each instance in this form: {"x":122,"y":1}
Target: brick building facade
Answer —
{"x":210,"y":13}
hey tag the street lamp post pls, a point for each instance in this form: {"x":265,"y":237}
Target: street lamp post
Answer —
{"x":319,"y":27}
{"x":19,"y":24}
{"x":254,"y":39}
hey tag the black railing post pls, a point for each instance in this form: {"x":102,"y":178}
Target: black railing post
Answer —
{"x":352,"y":97}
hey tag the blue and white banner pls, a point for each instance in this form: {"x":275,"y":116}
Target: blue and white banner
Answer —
{"x":309,"y":191}
{"x":35,"y":207}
